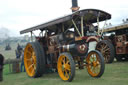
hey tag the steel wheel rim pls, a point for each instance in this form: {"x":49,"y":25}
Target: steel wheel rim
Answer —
{"x":30,"y":60}
{"x":105,"y":50}
{"x":64,"y":68}
{"x":93,"y":64}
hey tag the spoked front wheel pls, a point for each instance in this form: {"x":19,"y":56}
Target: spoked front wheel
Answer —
{"x":95,"y":64}
{"x":66,"y":67}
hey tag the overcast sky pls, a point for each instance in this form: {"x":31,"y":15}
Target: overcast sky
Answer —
{"x":17,"y":15}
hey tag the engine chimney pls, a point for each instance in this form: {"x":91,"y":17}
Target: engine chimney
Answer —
{"x":74,"y":6}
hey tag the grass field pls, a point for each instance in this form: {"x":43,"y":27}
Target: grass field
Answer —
{"x":10,"y":53}
{"x":115,"y":74}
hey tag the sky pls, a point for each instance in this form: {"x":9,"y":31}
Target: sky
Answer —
{"x":17,"y":15}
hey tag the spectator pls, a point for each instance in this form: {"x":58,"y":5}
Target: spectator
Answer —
{"x":17,"y":54}
{"x":18,"y":51}
{"x":22,"y":61}
{"x":1,"y":67}
{"x":19,"y":48}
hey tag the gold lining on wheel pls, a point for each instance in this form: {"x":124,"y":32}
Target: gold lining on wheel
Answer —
{"x":64,"y":68}
{"x":93,"y":64}
{"x":30,"y":60}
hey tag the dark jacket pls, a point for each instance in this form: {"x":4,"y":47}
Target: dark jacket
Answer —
{"x":1,"y":61}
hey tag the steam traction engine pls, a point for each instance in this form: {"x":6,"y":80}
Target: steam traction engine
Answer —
{"x":64,"y":42}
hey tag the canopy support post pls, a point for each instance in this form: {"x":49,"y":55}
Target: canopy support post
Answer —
{"x":98,"y":23}
{"x":103,"y":27}
{"x":82,"y":28}
{"x":31,"y":37}
{"x":63,"y":27}
{"x":76,"y":27}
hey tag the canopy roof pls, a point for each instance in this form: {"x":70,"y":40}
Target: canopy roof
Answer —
{"x":117,"y":27}
{"x":89,"y":16}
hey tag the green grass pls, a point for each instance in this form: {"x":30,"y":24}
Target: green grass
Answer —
{"x":10,"y":53}
{"x":115,"y":74}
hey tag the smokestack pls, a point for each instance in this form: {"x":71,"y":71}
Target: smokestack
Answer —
{"x":74,"y":6}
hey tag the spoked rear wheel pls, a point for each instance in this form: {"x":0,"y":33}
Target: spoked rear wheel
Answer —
{"x":34,"y":59}
{"x":66,"y":67}
{"x":107,"y":50}
{"x":95,"y":64}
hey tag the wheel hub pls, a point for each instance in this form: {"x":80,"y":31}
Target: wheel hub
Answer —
{"x":94,"y":64}
{"x":63,"y":67}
